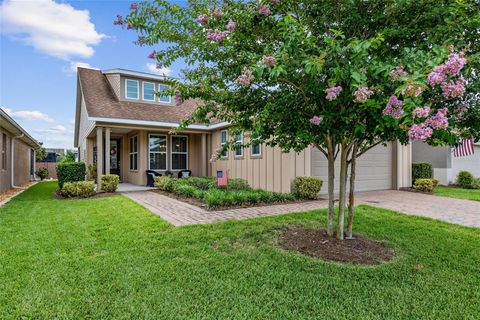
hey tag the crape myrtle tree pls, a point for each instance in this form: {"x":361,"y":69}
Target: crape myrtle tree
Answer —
{"x":296,"y":74}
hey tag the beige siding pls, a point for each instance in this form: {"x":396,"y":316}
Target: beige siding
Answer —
{"x":85,"y":127}
{"x":274,"y":170}
{"x":114,"y":80}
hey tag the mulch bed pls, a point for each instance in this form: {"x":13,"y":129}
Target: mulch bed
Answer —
{"x":58,"y":195}
{"x":316,"y":243}
{"x":200,"y":204}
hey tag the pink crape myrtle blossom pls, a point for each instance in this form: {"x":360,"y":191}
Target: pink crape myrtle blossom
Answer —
{"x":412,"y":90}
{"x":397,"y":73}
{"x":231,"y":25}
{"x":394,"y":107}
{"x":316,"y":120}
{"x":133,"y":6}
{"x":269,"y":61}
{"x":333,"y":92}
{"x":362,"y":94}
{"x":439,"y":120}
{"x":264,"y":9}
{"x":218,"y":150}
{"x":455,"y":63}
{"x":421,"y":112}
{"x":202,"y":20}
{"x":178,"y":98}
{"x":453,"y":89}
{"x":153,"y":55}
{"x":119,"y":21}
{"x":218,"y":13}
{"x":246,"y":78}
{"x":420,"y":132}
{"x":213,"y":158}
{"x":435,"y":78}
{"x":216,"y":35}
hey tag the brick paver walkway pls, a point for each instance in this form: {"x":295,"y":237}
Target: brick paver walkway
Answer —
{"x":179,"y":213}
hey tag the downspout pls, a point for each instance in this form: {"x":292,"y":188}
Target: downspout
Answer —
{"x":12,"y":161}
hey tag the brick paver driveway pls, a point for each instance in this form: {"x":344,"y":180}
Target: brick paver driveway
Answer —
{"x":178,"y":213}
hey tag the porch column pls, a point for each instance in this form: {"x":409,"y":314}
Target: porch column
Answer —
{"x":404,"y":165}
{"x":107,"y":150}
{"x":99,"y":156}
{"x":203,"y":154}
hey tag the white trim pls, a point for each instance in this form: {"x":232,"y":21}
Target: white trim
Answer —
{"x":171,"y":152}
{"x":241,"y":149}
{"x":256,"y":155}
{"x":222,"y":143}
{"x":137,"y":74}
{"x":160,"y":123}
{"x":138,"y":89}
{"x":143,"y":91}
{"x":160,"y":93}
{"x":166,"y":150}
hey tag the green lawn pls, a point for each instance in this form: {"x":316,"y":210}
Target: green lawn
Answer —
{"x":110,"y":258}
{"x":452,"y":192}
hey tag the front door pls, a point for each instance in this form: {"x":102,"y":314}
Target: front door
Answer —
{"x":115,"y":156}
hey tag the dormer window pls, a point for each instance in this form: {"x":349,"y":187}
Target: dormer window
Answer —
{"x":164,"y":98}
{"x":148,"y":91}
{"x":131,"y":89}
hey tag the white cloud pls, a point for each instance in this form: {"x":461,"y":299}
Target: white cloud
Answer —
{"x":164,"y":71}
{"x":56,"y":29}
{"x":72,"y":67}
{"x":28,"y":115}
{"x":58,"y":129}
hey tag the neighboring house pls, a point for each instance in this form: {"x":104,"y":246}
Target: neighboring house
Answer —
{"x":118,"y":109}
{"x":50,"y":162}
{"x":445,"y":165}
{"x":17,"y":158}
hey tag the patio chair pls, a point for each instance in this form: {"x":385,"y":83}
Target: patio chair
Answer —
{"x":151,"y":177}
{"x":184,"y":174}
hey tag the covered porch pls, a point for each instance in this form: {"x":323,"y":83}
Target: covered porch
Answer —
{"x":130,"y":151}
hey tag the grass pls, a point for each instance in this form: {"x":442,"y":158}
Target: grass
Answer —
{"x":110,"y":258}
{"x":453,"y":192}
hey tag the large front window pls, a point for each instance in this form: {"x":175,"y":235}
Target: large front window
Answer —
{"x":157,"y":145}
{"x":131,"y":89}
{"x":179,"y":153}
{"x":134,"y":153}
{"x":148,"y":91}
{"x":163,"y":97}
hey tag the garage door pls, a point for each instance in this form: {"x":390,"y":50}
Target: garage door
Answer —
{"x":374,"y":169}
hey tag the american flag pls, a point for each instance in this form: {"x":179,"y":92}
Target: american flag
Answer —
{"x":465,"y":148}
{"x":222,"y":177}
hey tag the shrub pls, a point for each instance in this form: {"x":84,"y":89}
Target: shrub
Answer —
{"x":224,"y":198}
{"x":165,"y":183}
{"x":42,"y":173}
{"x":307,"y":187}
{"x":109,"y":182}
{"x":476,"y":183}
{"x":425,"y":184}
{"x":83,"y":189}
{"x":465,"y":180}
{"x":201,"y":183}
{"x":92,"y":172}
{"x":184,"y":190}
{"x":168,"y":173}
{"x":238,"y":184}
{"x":421,"y":170}
{"x":70,"y":172}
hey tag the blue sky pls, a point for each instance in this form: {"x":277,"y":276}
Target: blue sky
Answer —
{"x":41,"y":43}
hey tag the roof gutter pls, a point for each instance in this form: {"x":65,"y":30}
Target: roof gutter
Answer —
{"x":207,"y":127}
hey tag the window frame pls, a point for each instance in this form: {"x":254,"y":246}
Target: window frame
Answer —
{"x":132,"y":152}
{"x":4,"y":151}
{"x":241,"y":149}
{"x":143,"y":90}
{"x":177,"y":152}
{"x":160,"y":93}
{"x":126,"y":89}
{"x":160,"y":152}
{"x":256,"y":155}
{"x":223,"y":143}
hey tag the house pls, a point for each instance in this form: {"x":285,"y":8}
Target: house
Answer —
{"x":17,"y":148}
{"x":445,"y":165}
{"x":118,"y":109}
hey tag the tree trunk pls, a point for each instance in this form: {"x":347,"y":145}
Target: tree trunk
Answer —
{"x":331,"y":185}
{"x":342,"y":190}
{"x":351,"y":198}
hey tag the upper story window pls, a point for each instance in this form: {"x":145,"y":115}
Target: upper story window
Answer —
{"x":148,"y":91}
{"x":256,"y":150}
{"x":164,"y":98}
{"x":223,"y":141}
{"x":131,"y":89}
{"x":157,"y":146}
